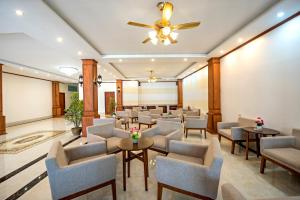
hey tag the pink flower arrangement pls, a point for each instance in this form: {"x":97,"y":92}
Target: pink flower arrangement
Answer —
{"x":259,"y":121}
{"x":133,"y":130}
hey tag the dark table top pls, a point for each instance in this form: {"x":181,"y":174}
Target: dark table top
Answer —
{"x":264,"y":131}
{"x":143,"y":143}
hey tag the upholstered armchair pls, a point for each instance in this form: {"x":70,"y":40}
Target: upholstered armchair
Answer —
{"x":163,"y":133}
{"x":195,"y":123}
{"x":144,"y":118}
{"x":281,"y":150}
{"x":191,"y":169}
{"x":191,"y":113}
{"x":124,"y":117}
{"x":132,"y":114}
{"x":170,"y":119}
{"x":116,"y":122}
{"x":78,"y":170}
{"x":233,"y":131}
{"x":107,"y":133}
{"x":156,"y":113}
{"x":177,"y":113}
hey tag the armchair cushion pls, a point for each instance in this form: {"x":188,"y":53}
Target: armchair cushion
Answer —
{"x":112,"y":144}
{"x":85,"y":151}
{"x":225,"y":132}
{"x":286,"y":156}
{"x":191,"y":159}
{"x":188,"y":149}
{"x":103,"y":130}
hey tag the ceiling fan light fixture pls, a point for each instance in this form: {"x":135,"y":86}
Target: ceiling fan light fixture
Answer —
{"x":166,"y":31}
{"x":154,"y":41}
{"x":167,"y":11}
{"x":167,"y":42}
{"x":174,"y":35}
{"x":152,"y":34}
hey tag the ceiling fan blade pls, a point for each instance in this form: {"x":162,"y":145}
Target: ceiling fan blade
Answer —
{"x":186,"y":25}
{"x":146,"y":40}
{"x":140,"y":25}
{"x":171,"y":39}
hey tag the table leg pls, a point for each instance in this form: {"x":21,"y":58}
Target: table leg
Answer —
{"x":257,"y":145}
{"x":247,"y":145}
{"x":147,"y":163}
{"x":124,"y":170}
{"x":145,"y":168}
{"x":128,"y":164}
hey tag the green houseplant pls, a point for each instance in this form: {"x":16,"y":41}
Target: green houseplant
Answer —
{"x":112,"y":105}
{"x":74,"y":113}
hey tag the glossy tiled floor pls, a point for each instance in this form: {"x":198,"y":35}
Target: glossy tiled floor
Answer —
{"x":276,"y":182}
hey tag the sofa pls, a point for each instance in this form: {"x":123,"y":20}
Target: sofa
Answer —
{"x":75,"y":171}
{"x":233,"y":131}
{"x":191,"y":169}
{"x":281,"y":150}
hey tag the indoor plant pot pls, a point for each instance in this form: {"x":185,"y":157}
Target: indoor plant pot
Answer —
{"x":76,"y":130}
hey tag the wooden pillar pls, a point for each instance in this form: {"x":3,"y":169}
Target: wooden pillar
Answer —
{"x":214,"y":95}
{"x":179,"y":94}
{"x":88,"y":73}
{"x":56,"y":109}
{"x":119,"y":88}
{"x":2,"y":117}
{"x":95,"y":95}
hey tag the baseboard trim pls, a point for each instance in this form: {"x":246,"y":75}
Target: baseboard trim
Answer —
{"x":27,"y":121}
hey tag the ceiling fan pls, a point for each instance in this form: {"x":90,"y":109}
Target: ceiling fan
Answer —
{"x":152,"y":78}
{"x":163,"y":30}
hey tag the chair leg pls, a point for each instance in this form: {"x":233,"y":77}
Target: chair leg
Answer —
{"x":159,"y":191}
{"x":139,"y":126}
{"x":113,"y":188}
{"x":262,"y":165}
{"x":205,"y":133}
{"x":186,"y":132}
{"x":232,"y":147}
{"x":219,"y":137}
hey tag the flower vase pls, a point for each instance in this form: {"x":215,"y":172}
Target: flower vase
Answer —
{"x":135,"y":138}
{"x":259,"y":127}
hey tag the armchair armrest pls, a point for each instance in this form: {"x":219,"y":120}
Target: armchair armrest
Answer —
{"x":277,"y":142}
{"x":225,"y":125}
{"x":189,"y":149}
{"x":121,"y":133}
{"x":150,"y":132}
{"x":237,"y":133}
{"x":175,"y":135}
{"x":91,"y":138}
{"x":87,"y":150}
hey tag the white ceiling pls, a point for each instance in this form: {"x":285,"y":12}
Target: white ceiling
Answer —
{"x":98,"y":29}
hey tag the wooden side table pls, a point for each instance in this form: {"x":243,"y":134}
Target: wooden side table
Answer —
{"x":127,"y":145}
{"x":258,"y":133}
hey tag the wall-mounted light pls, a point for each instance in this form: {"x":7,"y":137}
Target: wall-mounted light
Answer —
{"x":99,"y":80}
{"x":80,"y":81}
{"x":118,"y":89}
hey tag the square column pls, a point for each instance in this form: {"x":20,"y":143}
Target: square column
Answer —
{"x":179,"y":94}
{"x":214,"y":95}
{"x":119,"y":88}
{"x":56,"y":109}
{"x":89,"y":73}
{"x":2,"y":117}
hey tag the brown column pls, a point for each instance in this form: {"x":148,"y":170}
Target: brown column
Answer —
{"x":88,"y":73}
{"x":56,"y":109}
{"x":119,"y":88}
{"x":95,"y":96}
{"x":2,"y":118}
{"x":214,"y":95}
{"x":179,"y":94}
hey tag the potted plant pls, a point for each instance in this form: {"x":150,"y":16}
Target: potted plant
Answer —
{"x":112,"y":105}
{"x":74,"y":113}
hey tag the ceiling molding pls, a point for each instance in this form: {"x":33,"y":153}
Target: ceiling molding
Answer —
{"x":140,"y":56}
{"x":193,"y":63}
{"x":116,"y":68}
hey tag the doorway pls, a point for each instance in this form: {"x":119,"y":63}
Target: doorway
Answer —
{"x":109,"y":102}
{"x":62,"y":102}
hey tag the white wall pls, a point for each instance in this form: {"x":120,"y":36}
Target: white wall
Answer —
{"x":158,"y":93}
{"x":130,"y":93}
{"x":26,"y":99}
{"x":263,"y":79}
{"x":195,"y":90}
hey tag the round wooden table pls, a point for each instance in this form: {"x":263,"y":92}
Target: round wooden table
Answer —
{"x":258,"y":133}
{"x":127,"y":145}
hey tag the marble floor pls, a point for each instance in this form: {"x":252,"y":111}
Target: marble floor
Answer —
{"x":276,"y":182}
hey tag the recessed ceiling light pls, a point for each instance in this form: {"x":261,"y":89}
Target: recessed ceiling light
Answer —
{"x":280,"y":14}
{"x":152,"y":59}
{"x":221,"y":51}
{"x":69,"y":71}
{"x":19,"y":12}
{"x":185,"y":59}
{"x":120,"y":60}
{"x":59,"y":39}
{"x":240,"y":40}
{"x":79,"y":53}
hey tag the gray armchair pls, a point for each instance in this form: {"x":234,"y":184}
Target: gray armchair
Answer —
{"x":124,"y":117}
{"x":145,"y":119}
{"x":191,"y":169}
{"x":132,"y":114}
{"x":117,"y":123}
{"x":191,"y":113}
{"x":163,"y":133}
{"x":78,"y":170}
{"x":107,"y":133}
{"x":233,"y":131}
{"x":281,"y":150}
{"x":195,"y":123}
{"x":177,"y":113}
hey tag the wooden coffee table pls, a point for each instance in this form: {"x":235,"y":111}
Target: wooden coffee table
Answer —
{"x":126,"y":145}
{"x":258,"y":133}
